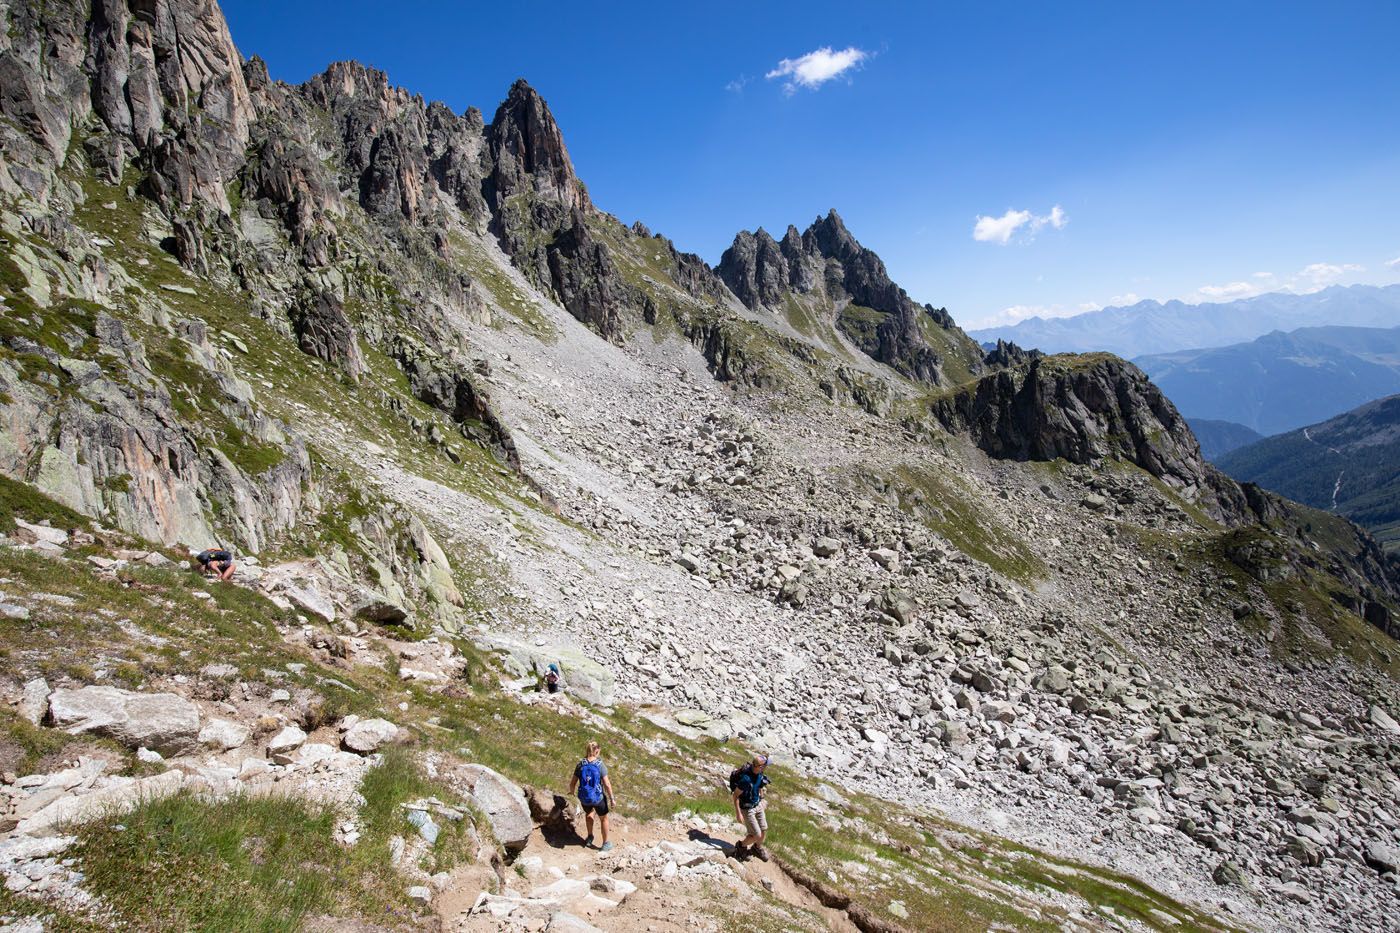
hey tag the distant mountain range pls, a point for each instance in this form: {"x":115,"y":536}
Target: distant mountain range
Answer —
{"x":1218,"y":438}
{"x":1280,"y":381}
{"x":1156,"y":327}
{"x":1349,"y":464}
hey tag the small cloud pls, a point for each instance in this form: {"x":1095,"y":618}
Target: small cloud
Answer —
{"x":1229,"y":291}
{"x":737,"y":85}
{"x":1320,"y":273}
{"x":1002,"y":229}
{"x":1017,"y":313}
{"x":1393,"y":263}
{"x":1263,"y":275}
{"x":816,"y":68}
{"x":1131,"y":298}
{"x":999,"y":229}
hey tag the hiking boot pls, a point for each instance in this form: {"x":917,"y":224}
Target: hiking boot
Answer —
{"x":588,"y":841}
{"x":605,"y":847}
{"x":761,"y":852}
{"x":740,"y":851}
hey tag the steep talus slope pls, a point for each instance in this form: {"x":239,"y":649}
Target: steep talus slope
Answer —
{"x":398,"y":359}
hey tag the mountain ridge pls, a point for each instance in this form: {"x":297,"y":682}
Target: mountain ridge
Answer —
{"x":1151,"y":327}
{"x":1281,"y":381}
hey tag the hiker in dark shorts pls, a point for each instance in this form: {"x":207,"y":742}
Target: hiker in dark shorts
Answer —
{"x":595,"y":793}
{"x":215,"y":562}
{"x":746,"y":786}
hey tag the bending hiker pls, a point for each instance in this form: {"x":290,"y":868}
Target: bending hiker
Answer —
{"x":215,"y":562}
{"x":746,"y":786}
{"x":553,"y":681}
{"x":595,"y":793}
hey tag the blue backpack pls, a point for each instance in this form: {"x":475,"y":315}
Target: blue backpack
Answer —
{"x":590,"y":783}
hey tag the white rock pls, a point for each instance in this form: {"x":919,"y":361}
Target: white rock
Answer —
{"x":223,"y":735}
{"x":1382,"y":720}
{"x":285,"y":741}
{"x":34,"y":703}
{"x":504,"y":803}
{"x":165,"y":722}
{"x":369,"y":735}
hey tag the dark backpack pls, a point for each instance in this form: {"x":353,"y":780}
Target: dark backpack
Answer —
{"x":734,"y":777}
{"x":590,"y":783}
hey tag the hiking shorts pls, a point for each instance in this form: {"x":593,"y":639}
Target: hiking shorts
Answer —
{"x":756,"y":820}
{"x":600,"y":808}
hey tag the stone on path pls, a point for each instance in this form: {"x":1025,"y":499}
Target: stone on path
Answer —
{"x":504,"y":804}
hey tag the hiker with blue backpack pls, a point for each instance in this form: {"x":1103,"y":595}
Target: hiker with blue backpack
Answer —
{"x":595,"y":793}
{"x":746,"y":788}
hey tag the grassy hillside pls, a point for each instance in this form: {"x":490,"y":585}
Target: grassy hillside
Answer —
{"x":1349,"y":465}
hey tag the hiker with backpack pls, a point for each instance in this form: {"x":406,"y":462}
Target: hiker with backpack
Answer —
{"x":595,"y":793}
{"x":215,"y":562}
{"x":553,"y":679}
{"x":746,"y":788}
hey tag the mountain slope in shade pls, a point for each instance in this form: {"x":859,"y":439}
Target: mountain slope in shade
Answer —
{"x":1281,"y":381}
{"x":1157,"y":327}
{"x":1218,"y":438}
{"x":1350,"y":465}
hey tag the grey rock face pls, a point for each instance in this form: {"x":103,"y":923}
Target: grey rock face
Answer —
{"x":536,"y":198}
{"x":504,"y":803}
{"x":870,"y":310}
{"x":323,"y":331}
{"x":1084,"y":411}
{"x":164,"y":722}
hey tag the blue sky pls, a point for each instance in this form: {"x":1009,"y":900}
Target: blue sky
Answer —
{"x":1200,"y":151}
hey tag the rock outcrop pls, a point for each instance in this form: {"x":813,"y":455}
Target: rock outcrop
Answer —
{"x":1084,"y":410}
{"x":827,"y":264}
{"x":540,"y":212}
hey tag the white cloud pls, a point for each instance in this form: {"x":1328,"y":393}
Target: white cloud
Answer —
{"x":1263,"y":275}
{"x":1017,"y":313}
{"x":1229,"y":291}
{"x":1002,"y":229}
{"x":1122,"y":301}
{"x":1393,"y":263}
{"x":737,"y":85}
{"x":1321,"y":273}
{"x":999,"y":229}
{"x":816,"y":68}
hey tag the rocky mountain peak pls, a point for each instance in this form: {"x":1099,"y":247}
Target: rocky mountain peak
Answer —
{"x":526,"y":143}
{"x":826,"y":265}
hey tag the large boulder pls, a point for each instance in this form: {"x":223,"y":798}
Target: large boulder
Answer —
{"x":369,"y":735}
{"x":163,"y":722}
{"x":583,"y":677}
{"x":504,"y":803}
{"x":222,"y":735}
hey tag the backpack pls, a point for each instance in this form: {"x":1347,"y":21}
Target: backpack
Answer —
{"x":590,"y":783}
{"x":552,"y":677}
{"x":734,"y":777}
